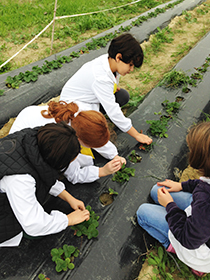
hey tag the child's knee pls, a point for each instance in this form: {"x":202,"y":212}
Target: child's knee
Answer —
{"x":153,"y":192}
{"x":142,"y":212}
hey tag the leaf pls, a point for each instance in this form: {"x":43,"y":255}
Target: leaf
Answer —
{"x":155,"y":270}
{"x":71,"y":266}
{"x":160,"y":253}
{"x":56,"y":254}
{"x":61,"y":265}
{"x":68,"y":250}
{"x":151,"y":261}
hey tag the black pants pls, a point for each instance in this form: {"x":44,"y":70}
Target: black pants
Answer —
{"x":122,"y":97}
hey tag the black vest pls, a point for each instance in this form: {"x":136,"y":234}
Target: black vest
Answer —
{"x":19,"y":154}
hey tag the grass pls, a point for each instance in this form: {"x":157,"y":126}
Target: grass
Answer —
{"x":22,"y":20}
{"x":167,"y":266}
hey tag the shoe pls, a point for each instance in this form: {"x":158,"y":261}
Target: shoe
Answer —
{"x":170,"y":249}
{"x":198,"y":273}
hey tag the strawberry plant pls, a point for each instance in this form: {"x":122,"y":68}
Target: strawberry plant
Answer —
{"x":64,"y":257}
{"x":88,"y":228}
{"x":171,"y":107}
{"x":112,"y":192}
{"x":146,"y":147}
{"x":134,"y":157}
{"x":42,"y":277}
{"x":123,"y":174}
{"x":158,"y":128}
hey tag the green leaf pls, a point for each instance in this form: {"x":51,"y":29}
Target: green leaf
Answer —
{"x":151,"y":261}
{"x":155,"y":270}
{"x":160,"y":252}
{"x":61,"y":265}
{"x":68,"y":250}
{"x":56,"y":254}
{"x":71,"y":266}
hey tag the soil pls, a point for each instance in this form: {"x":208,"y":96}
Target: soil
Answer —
{"x":190,"y":33}
{"x":106,"y":199}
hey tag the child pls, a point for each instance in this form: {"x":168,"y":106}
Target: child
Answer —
{"x":92,"y":131}
{"x":96,"y":81}
{"x":181,"y":221}
{"x":31,"y":160}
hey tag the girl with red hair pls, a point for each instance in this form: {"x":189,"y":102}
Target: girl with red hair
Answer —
{"x":92,"y":132}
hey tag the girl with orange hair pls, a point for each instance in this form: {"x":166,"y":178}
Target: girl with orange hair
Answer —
{"x":92,"y":132}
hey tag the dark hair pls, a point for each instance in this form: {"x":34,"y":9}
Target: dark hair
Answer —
{"x":198,"y":140}
{"x":58,"y":144}
{"x":91,"y":126}
{"x":129,"y":48}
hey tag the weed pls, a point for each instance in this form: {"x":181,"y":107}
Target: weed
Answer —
{"x":174,"y":79}
{"x":169,"y":267}
{"x":112,"y":192}
{"x":64,"y":257}
{"x":88,"y":228}
{"x":135,"y":100}
{"x":188,"y":17}
{"x":134,"y":157}
{"x":123,"y":174}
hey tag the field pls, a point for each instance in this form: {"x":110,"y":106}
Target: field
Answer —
{"x":162,"y":52}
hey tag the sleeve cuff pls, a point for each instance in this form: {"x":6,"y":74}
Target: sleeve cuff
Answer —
{"x":57,"y":188}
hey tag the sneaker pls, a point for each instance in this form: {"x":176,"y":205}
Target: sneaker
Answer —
{"x":198,"y":273}
{"x":170,"y":249}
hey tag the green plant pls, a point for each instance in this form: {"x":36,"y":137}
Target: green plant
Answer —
{"x":134,"y":157}
{"x":171,"y":107}
{"x":123,"y":174}
{"x":88,"y":228}
{"x":43,"y":277}
{"x":174,"y":79}
{"x":64,"y":257}
{"x":1,"y":91}
{"x":112,"y":192}
{"x":158,"y":128}
{"x":169,"y":267}
{"x":146,"y":147}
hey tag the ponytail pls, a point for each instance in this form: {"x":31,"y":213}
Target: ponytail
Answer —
{"x":90,"y":126}
{"x":60,"y":111}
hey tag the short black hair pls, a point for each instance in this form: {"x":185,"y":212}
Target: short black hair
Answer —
{"x":129,"y":48}
{"x":58,"y":144}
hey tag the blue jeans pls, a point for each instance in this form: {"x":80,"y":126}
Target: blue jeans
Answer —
{"x":151,"y":217}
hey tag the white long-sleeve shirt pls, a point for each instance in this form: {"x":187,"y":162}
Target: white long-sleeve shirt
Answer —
{"x":81,"y":170}
{"x":20,"y":191}
{"x":93,"y":84}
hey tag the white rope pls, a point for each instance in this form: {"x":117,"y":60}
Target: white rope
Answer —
{"x":62,"y":17}
{"x":27,"y":44}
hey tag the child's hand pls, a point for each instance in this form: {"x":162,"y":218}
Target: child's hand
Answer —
{"x":173,"y":186}
{"x":122,"y":159}
{"x":164,"y":197}
{"x":77,"y":204}
{"x":78,"y":216}
{"x":144,"y":139}
{"x":111,"y":167}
